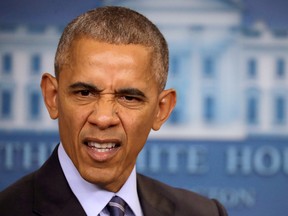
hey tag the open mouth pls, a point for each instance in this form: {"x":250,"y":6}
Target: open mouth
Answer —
{"x":102,"y":147}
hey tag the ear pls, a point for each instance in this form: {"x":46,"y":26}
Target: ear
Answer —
{"x":49,"y":87}
{"x":167,"y":102}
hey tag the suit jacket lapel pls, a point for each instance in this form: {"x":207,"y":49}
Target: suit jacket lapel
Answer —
{"x":153,"y":200}
{"x":52,"y":194}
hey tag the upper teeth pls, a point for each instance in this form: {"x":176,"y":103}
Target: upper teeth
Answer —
{"x":101,"y":146}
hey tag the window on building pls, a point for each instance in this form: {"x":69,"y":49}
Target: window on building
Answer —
{"x":7,"y":63}
{"x":36,"y":64}
{"x":175,"y":117}
{"x":35,"y":105}
{"x":280,"y":110}
{"x":209,"y":109}
{"x":209,"y":67}
{"x":252,"y":110}
{"x":280,"y":68}
{"x":6,"y":103}
{"x":174,"y":65}
{"x":252,"y":68}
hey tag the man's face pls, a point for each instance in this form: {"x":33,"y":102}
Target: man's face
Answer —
{"x":106,"y":101}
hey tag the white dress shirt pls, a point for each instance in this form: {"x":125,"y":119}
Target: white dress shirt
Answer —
{"x":94,"y":199}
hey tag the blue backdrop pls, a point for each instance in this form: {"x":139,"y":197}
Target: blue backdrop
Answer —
{"x":228,"y":137}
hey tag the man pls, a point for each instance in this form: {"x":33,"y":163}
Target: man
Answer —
{"x":111,"y":67}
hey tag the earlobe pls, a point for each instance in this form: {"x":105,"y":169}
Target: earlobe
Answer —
{"x":49,"y":87}
{"x":167,"y":102}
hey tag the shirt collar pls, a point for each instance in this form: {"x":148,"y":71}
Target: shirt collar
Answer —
{"x":92,"y":198}
{"x":129,"y":193}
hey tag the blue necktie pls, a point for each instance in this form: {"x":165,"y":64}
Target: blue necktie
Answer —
{"x":116,"y":206}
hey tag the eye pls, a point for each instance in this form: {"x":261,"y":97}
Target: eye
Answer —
{"x":84,"y":92}
{"x":130,"y":98}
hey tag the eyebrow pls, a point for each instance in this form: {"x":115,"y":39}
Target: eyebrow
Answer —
{"x":122,"y":91}
{"x":131,"y":92}
{"x":87,"y":86}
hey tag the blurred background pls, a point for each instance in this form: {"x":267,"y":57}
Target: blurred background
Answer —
{"x":228,"y":136}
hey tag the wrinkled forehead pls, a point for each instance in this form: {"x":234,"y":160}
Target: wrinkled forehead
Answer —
{"x":87,"y":53}
{"x":68,"y":57}
{"x":153,"y":58}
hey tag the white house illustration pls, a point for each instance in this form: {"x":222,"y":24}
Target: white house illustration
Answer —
{"x":231,"y":81}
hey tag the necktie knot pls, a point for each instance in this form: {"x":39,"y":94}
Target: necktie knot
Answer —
{"x":116,"y":206}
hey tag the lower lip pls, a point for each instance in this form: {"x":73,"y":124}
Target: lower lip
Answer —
{"x":101,"y":156}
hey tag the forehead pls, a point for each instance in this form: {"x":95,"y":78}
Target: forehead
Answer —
{"x":89,"y":43}
{"x":89,"y":57}
{"x":91,"y":51}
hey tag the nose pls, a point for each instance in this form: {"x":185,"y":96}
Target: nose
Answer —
{"x":104,"y":114}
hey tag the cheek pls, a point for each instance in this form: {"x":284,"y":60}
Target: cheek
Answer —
{"x":71,"y":119}
{"x":137,"y":126}
{"x":70,"y":126}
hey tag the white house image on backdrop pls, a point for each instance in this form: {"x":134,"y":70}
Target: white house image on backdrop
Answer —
{"x":232,"y":82}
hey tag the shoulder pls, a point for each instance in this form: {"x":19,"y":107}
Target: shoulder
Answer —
{"x":185,"y":201}
{"x":167,"y":190}
{"x":17,"y":197}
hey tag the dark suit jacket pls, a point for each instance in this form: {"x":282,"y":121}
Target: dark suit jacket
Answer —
{"x":46,"y":192}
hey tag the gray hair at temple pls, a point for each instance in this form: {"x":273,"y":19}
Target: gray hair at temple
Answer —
{"x":116,"y":25}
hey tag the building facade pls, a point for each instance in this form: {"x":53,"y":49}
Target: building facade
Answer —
{"x":227,"y":137}
{"x":231,"y":81}
{"x":25,"y":53}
